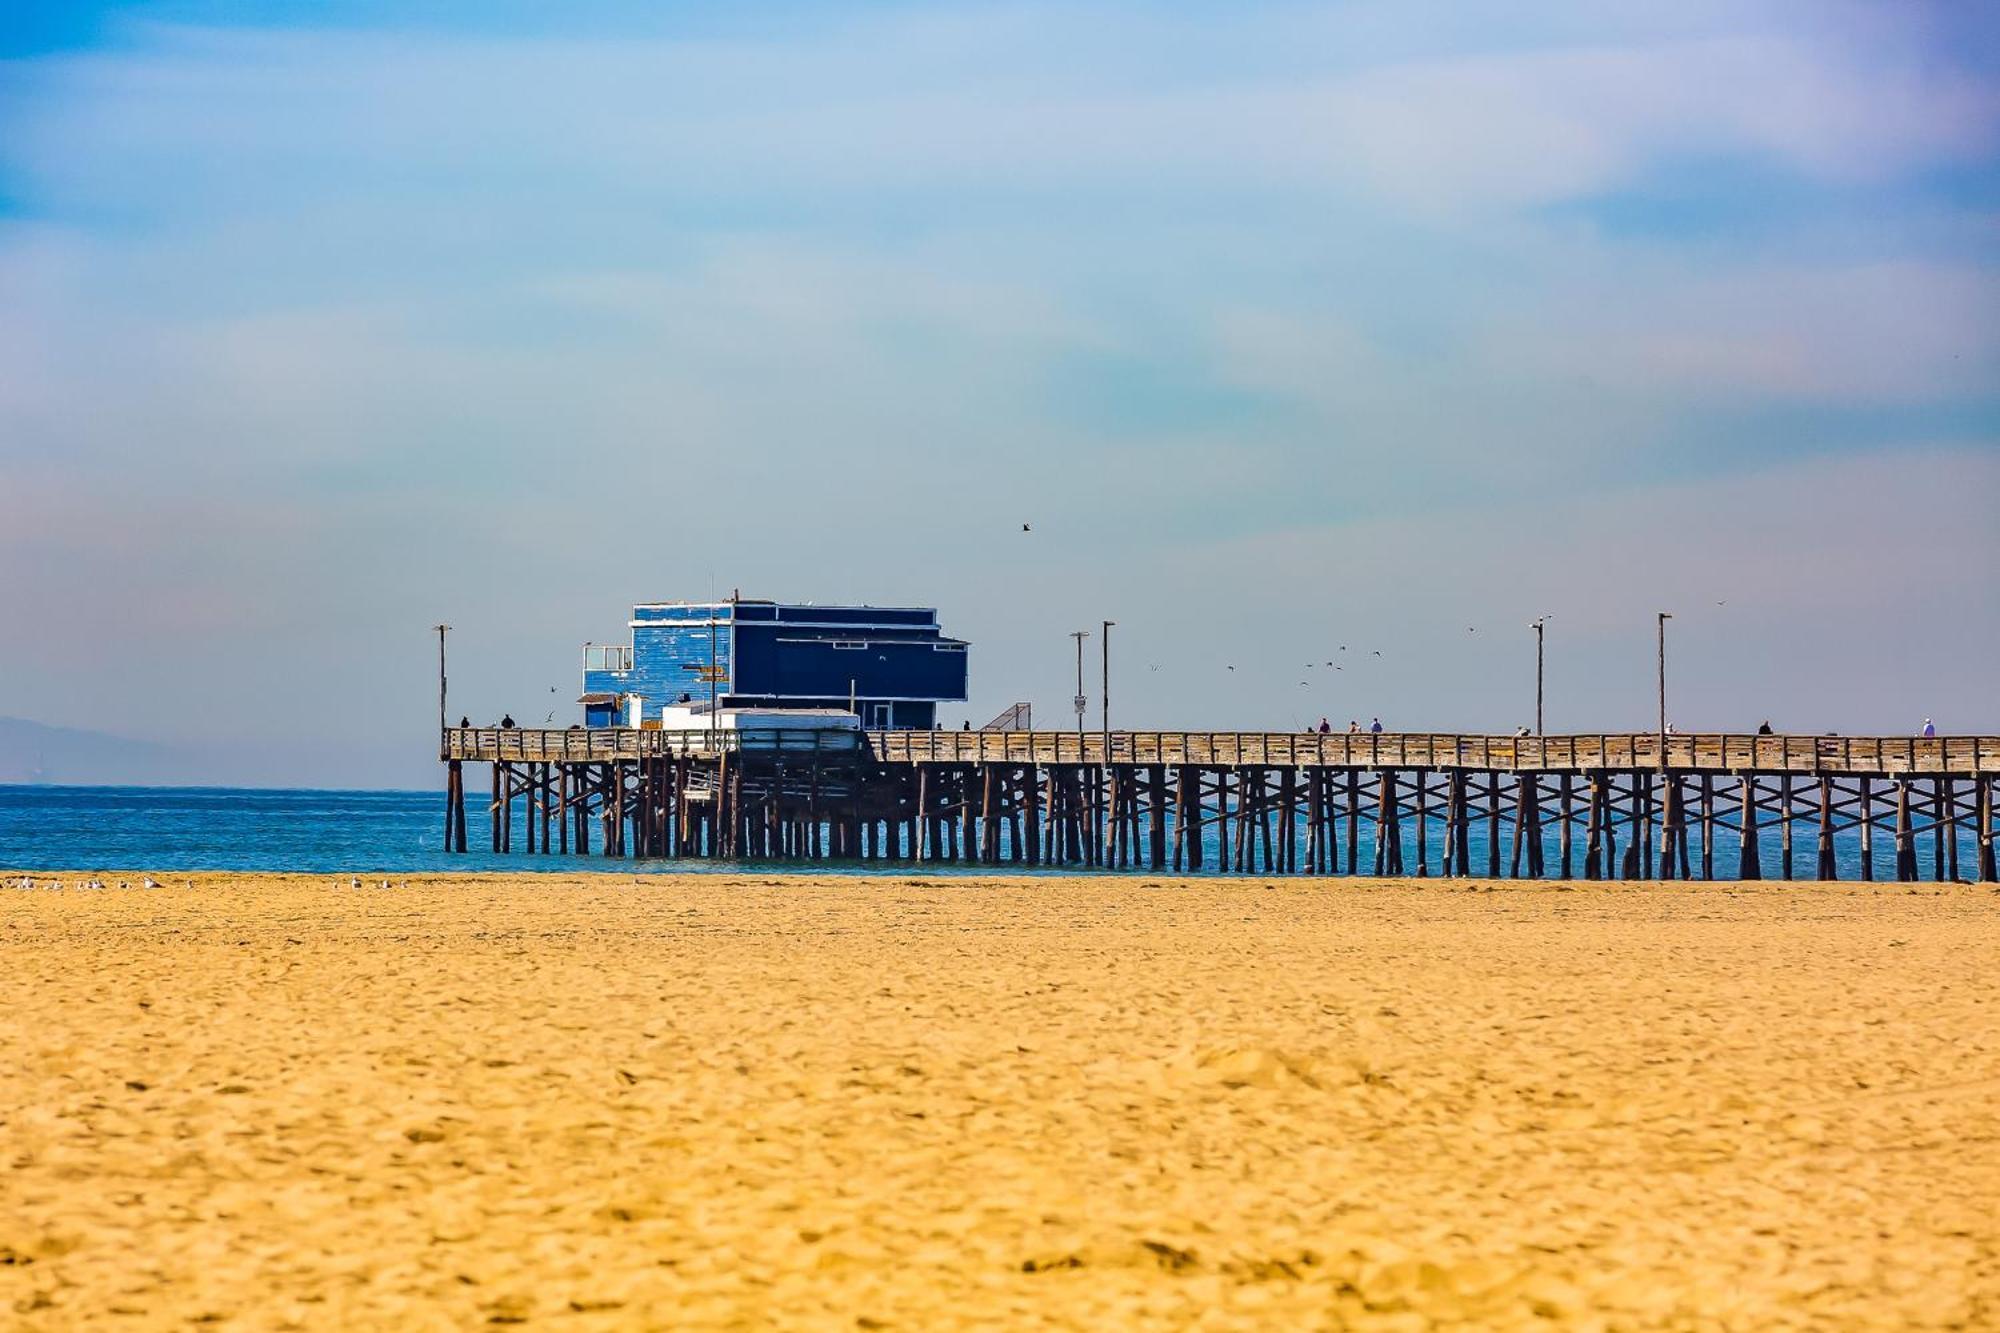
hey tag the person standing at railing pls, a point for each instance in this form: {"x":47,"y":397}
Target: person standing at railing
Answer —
{"x":1929,"y":731}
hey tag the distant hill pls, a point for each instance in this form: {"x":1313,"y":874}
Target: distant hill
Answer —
{"x":32,"y":752}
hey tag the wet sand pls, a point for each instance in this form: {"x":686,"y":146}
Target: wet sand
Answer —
{"x":267,"y":1101}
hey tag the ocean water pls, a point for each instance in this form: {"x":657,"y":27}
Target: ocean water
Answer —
{"x":402,"y":832}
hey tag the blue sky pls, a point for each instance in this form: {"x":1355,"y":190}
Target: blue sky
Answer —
{"x":1286,"y":325}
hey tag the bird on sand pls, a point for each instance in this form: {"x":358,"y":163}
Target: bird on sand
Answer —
{"x":354,"y":881}
{"x":150,"y":882}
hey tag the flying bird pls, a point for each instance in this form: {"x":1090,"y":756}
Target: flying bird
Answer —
{"x":1025,"y":528}
{"x":1378,"y":652}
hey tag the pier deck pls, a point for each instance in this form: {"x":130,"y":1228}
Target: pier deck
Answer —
{"x":1717,"y":752}
{"x":1248,"y":802}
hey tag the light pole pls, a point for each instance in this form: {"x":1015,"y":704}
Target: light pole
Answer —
{"x":1539,"y":623}
{"x":442,"y":630}
{"x":1664,"y":617}
{"x":1081,"y":701}
{"x":1104,"y":701}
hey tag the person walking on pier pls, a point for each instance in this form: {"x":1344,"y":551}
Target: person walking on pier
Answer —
{"x":1929,"y":730}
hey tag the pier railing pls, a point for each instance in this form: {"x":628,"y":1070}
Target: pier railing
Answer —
{"x":1885,"y":756}
{"x":592,"y":745}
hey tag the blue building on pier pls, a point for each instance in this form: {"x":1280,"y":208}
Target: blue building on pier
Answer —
{"x":893,"y":663}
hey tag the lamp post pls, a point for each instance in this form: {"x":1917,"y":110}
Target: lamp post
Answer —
{"x":1664,"y":617}
{"x":1539,"y":623}
{"x":1104,"y":700}
{"x":442,"y":630}
{"x":1081,"y":701}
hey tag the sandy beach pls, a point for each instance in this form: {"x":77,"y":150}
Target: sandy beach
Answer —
{"x":594,"y":1102}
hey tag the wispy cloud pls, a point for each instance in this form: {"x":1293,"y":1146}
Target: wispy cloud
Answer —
{"x":525,"y":320}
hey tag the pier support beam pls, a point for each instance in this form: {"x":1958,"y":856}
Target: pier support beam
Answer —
{"x":1906,"y":839}
{"x":1984,"y":799}
{"x":1749,"y":864}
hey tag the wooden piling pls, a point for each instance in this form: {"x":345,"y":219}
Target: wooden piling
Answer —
{"x":1982,"y":795}
{"x":1536,"y":866}
{"x":1785,"y":826}
{"x":1423,"y":823}
{"x":1458,"y":851}
{"x":1950,"y":827}
{"x":1593,"y":836}
{"x":989,"y":823}
{"x":1707,"y":827}
{"x":1493,"y":825}
{"x":1389,"y":824}
{"x":1938,"y":826}
{"x":1636,"y":851}
{"x":1353,"y":822}
{"x":1749,"y":861}
{"x":1670,"y":825}
{"x":1565,"y":798}
{"x":1520,"y":825}
{"x":1906,"y":842}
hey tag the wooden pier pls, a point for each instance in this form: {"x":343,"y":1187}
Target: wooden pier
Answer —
{"x":1593,"y":806}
